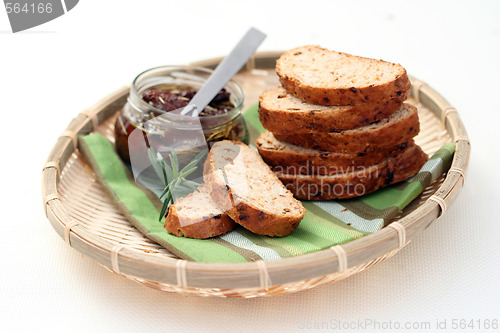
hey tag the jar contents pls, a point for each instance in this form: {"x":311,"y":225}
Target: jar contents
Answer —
{"x":169,"y":100}
{"x":169,"y":97}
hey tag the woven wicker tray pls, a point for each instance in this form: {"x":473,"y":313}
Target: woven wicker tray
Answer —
{"x":82,"y":214}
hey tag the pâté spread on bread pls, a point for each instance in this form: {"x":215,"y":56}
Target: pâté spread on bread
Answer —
{"x":338,"y":127}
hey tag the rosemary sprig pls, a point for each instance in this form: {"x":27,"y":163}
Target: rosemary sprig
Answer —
{"x":174,"y":177}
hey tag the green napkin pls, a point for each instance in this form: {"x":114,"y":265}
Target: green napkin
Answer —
{"x":326,"y":223}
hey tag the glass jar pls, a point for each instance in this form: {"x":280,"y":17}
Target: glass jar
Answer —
{"x":157,"y":124}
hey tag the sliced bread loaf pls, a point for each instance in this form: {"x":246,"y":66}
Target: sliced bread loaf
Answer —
{"x":293,"y":159}
{"x":244,"y":186}
{"x":197,"y":216}
{"x":399,"y":127}
{"x":356,"y":183}
{"x":319,"y":76}
{"x":281,"y":112}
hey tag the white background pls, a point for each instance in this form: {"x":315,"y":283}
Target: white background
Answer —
{"x":50,"y":73}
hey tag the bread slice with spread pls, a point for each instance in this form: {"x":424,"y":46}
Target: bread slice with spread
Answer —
{"x":244,"y":186}
{"x":197,"y":216}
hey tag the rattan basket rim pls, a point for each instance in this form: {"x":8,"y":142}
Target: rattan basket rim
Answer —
{"x":249,"y":275}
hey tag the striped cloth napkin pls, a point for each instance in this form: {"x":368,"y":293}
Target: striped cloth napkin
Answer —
{"x":326,"y":223}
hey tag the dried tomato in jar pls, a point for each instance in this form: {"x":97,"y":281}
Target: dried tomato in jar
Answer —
{"x":157,"y":92}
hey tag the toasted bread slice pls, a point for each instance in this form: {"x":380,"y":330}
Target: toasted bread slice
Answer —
{"x":356,"y":183}
{"x":399,"y":127}
{"x":281,"y":112}
{"x":244,"y":186}
{"x":319,"y":76}
{"x":197,"y":216}
{"x":290,"y":158}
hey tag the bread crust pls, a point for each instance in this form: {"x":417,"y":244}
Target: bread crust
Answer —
{"x":354,"y":184}
{"x":361,"y":139}
{"x":247,"y":214}
{"x":199,"y":227}
{"x":398,"y":88}
{"x":290,"y":158}
{"x":307,"y":117}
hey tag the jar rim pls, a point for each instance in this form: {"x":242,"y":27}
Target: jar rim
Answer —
{"x":231,"y":85}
